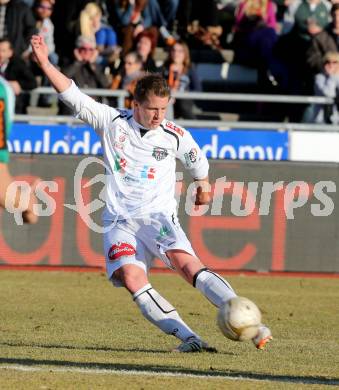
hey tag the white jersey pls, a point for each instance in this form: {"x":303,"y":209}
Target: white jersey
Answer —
{"x":140,"y":163}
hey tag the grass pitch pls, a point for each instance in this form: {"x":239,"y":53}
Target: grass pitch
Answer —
{"x":67,"y":330}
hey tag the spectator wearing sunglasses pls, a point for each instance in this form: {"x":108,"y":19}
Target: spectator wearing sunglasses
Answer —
{"x":327,"y":84}
{"x":129,"y":75}
{"x":85,"y":72}
{"x":43,"y":10}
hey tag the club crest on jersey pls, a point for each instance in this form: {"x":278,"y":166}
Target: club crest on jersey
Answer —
{"x":120,"y":249}
{"x":159,"y":153}
{"x":192,"y":155}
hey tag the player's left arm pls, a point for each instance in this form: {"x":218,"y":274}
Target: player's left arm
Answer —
{"x":203,"y":195}
{"x":195,"y":161}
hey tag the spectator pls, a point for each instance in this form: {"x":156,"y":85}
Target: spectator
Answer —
{"x":321,"y":43}
{"x":308,"y":14}
{"x":91,"y":26}
{"x":202,"y":23}
{"x":263,"y":10}
{"x":309,"y":18}
{"x":146,"y":43}
{"x":254,"y":33}
{"x":333,"y":28}
{"x":18,"y":24}
{"x":134,"y":16}
{"x":65,"y":17}
{"x":181,"y":76}
{"x":127,"y":79}
{"x":17,"y":73}
{"x":85,"y":72}
{"x":327,"y":84}
{"x":42,"y":11}
{"x":169,"y":9}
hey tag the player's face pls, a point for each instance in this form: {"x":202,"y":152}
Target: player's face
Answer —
{"x":151,"y":112}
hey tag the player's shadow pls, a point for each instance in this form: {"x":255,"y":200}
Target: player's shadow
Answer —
{"x":147,"y":369}
{"x":89,"y":348}
{"x":92,"y":348}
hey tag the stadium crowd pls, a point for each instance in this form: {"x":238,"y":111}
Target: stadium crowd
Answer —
{"x":291,"y":44}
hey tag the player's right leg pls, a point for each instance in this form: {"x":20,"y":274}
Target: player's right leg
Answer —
{"x":127,"y":265}
{"x":154,"y":307}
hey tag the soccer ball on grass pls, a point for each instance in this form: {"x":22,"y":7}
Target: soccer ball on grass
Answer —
{"x":239,"y":319}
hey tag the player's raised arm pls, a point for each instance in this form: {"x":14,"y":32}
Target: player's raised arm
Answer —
{"x":59,"y":81}
{"x":83,"y":106}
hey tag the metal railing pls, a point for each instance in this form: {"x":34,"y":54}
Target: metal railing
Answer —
{"x":238,"y":97}
{"x":221,"y":125}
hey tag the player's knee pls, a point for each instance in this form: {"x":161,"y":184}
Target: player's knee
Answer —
{"x":132,"y":278}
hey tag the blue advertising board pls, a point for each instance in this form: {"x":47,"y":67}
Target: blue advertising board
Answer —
{"x":231,"y":144}
{"x":242,"y":144}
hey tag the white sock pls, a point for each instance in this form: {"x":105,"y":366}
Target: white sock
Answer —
{"x":161,"y":313}
{"x":213,"y":286}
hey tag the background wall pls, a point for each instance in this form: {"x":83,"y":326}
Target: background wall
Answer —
{"x":274,"y":242}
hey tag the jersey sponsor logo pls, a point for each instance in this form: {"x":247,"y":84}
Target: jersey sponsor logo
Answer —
{"x":120,"y":138}
{"x":172,"y":126}
{"x":163,"y":233}
{"x":147,"y":172}
{"x":120,"y":249}
{"x":119,"y":164}
{"x":118,"y":145}
{"x":159,"y":153}
{"x":3,"y":144}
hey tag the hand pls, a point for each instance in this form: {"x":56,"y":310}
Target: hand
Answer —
{"x":28,"y":215}
{"x":94,"y":57}
{"x":77,"y":55}
{"x":16,"y":87}
{"x":138,"y":29}
{"x":40,"y":50}
{"x":202,"y":198}
{"x":203,"y":195}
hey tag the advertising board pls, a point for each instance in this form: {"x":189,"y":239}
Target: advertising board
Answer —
{"x":217,"y":144}
{"x":265,"y":216}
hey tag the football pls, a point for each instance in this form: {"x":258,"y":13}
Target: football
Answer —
{"x":239,"y":319}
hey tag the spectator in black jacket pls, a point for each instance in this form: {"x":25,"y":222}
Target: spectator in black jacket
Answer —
{"x":18,"y":24}
{"x":19,"y":75}
{"x":85,"y":72}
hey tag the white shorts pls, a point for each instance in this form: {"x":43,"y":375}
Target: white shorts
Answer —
{"x":138,"y":241}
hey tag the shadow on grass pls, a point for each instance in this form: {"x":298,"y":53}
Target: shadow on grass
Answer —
{"x":94,"y":348}
{"x":148,"y":369}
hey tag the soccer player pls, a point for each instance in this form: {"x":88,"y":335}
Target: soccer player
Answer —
{"x":23,"y":200}
{"x":140,"y":147}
